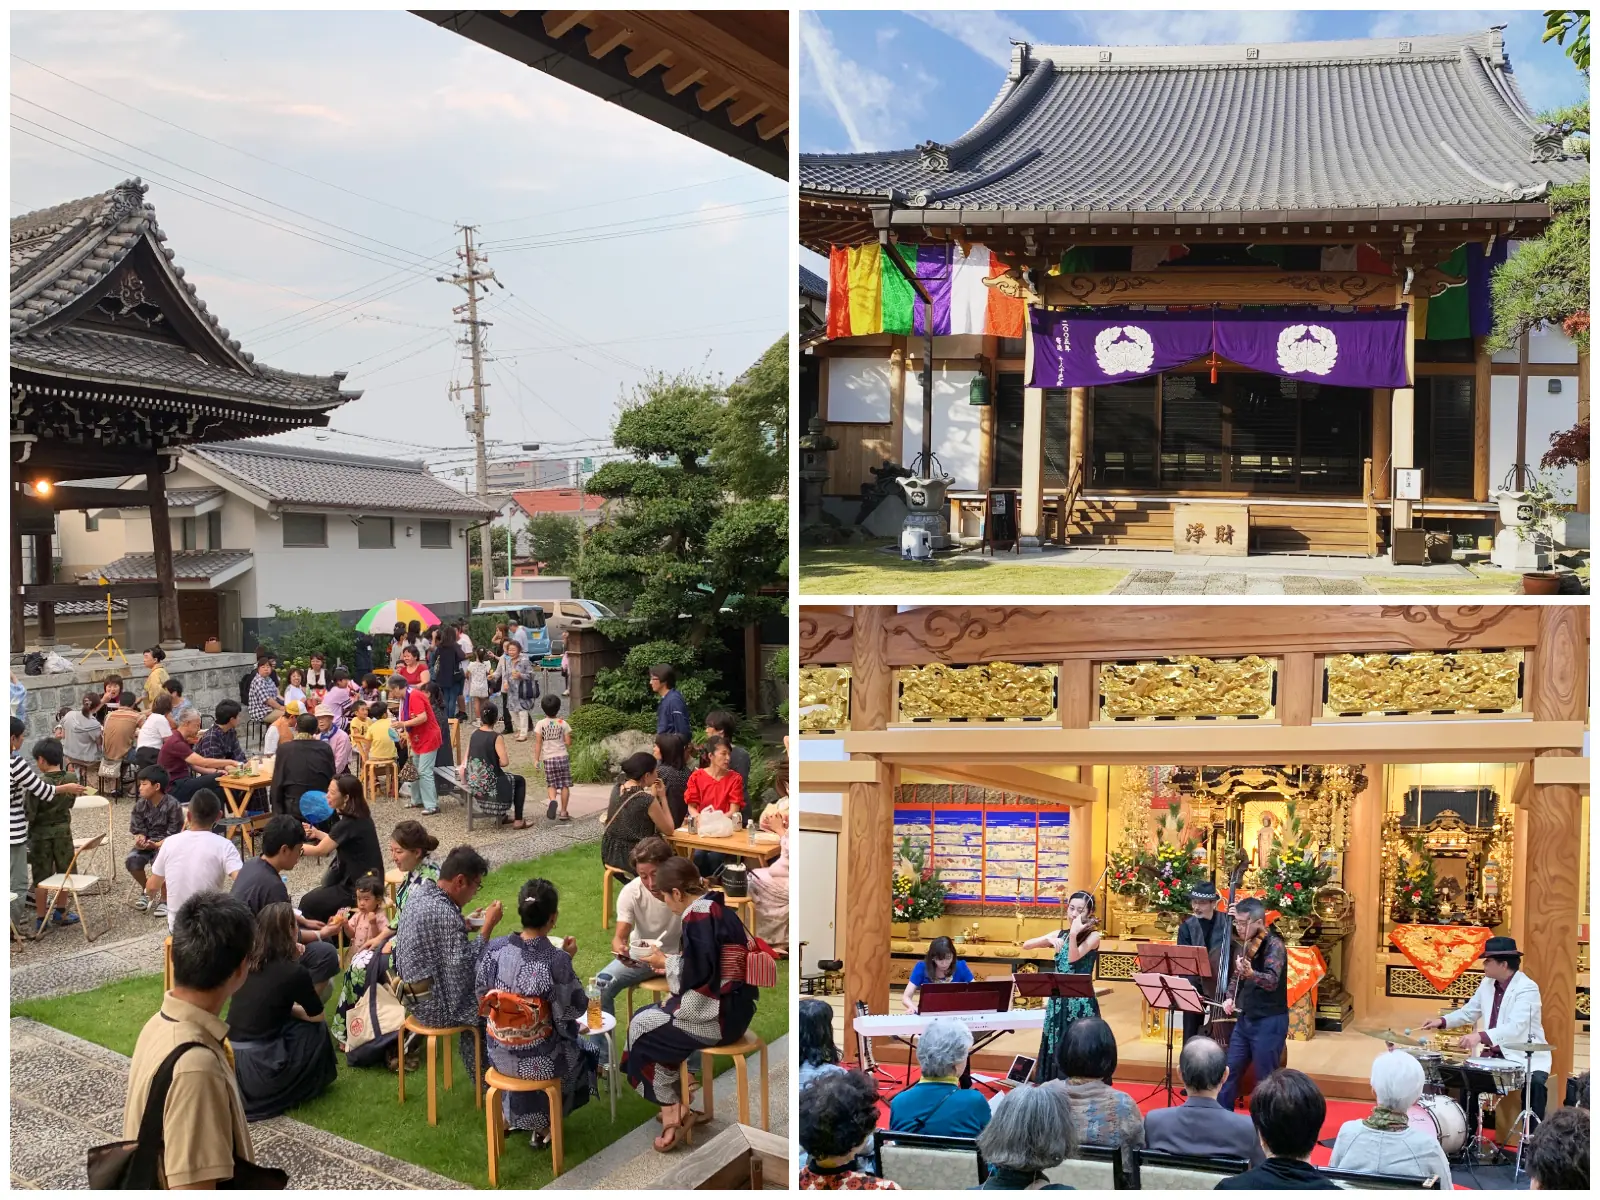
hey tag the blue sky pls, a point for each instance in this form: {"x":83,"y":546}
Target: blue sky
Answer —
{"x":887,"y":80}
{"x":429,"y":129}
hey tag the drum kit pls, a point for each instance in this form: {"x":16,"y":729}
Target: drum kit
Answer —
{"x":1442,"y":1116}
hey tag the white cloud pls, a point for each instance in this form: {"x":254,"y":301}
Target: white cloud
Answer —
{"x":986,"y":34}
{"x":1419,"y":21}
{"x":868,"y":105}
{"x":1190,"y":28}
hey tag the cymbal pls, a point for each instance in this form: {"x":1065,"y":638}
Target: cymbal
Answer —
{"x":1526,"y":1047}
{"x":1397,"y":1039}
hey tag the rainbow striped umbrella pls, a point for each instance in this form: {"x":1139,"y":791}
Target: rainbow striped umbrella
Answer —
{"x":382,"y":618}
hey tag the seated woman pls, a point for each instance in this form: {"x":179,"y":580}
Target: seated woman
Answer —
{"x":709,"y":1002}
{"x":937,"y":1103}
{"x":281,"y":1050}
{"x":641,"y":812}
{"x":281,"y":731}
{"x":769,"y":885}
{"x":494,"y":790}
{"x":672,"y":768}
{"x":939,"y":965}
{"x":1385,"y":1141}
{"x":353,"y":843}
{"x":838,"y":1113}
{"x":1102,"y":1115}
{"x":715,"y":786}
{"x":1077,"y":949}
{"x":1030,"y":1133}
{"x":534,"y":1001}
{"x":818,"y":1054}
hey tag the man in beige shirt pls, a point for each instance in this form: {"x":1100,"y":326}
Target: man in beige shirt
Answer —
{"x":204,"y":1126}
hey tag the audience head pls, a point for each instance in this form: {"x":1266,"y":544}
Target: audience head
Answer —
{"x":838,"y":1113}
{"x":205,"y":808}
{"x":461,"y":874}
{"x":129,"y":700}
{"x":399,"y":630}
{"x":536,"y":905}
{"x":1032,"y":1131}
{"x":678,"y":884}
{"x":227,"y":712}
{"x":263,"y":667}
{"x":282,"y":841}
{"x":297,"y":677}
{"x":153,"y":656}
{"x":1288,"y":1111}
{"x":663,"y":678}
{"x":369,"y":893}
{"x":377,"y":710}
{"x":111,"y":686}
{"x":551,"y":703}
{"x":305,"y":725}
{"x":341,"y":677}
{"x":373,"y":683}
{"x":647,"y":856}
{"x":19,"y":729}
{"x":410,"y":843}
{"x":816,"y":1034}
{"x":213,"y":935}
{"x":411,"y":655}
{"x":175,"y":686}
{"x":718,"y":751}
{"x":1203,"y":1064}
{"x":1397,"y":1080}
{"x":943,"y":1048}
{"x":47,"y":751}
{"x":640,"y":768}
{"x":720,"y":722}
{"x":671,"y":748}
{"x":277,"y":936}
{"x":324,"y":715}
{"x":1089,"y":1050}
{"x":940,"y":961}
{"x":397,"y":685}
{"x":189,"y":725}
{"x":162,"y":704}
{"x":153,"y":781}
{"x":413,"y":630}
{"x":1559,"y":1160}
{"x":316,"y":659}
{"x":347,"y":796}
{"x":488,"y":715}
{"x":90,"y":702}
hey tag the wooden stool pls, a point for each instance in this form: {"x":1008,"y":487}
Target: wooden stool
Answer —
{"x":433,"y":1036}
{"x":656,"y":983}
{"x":392,"y":879}
{"x":738,"y":1051}
{"x":166,"y":966}
{"x":388,"y":767}
{"x":605,"y":893}
{"x":744,"y":907}
{"x":495,"y":1119}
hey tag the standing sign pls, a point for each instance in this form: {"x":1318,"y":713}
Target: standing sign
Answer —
{"x":1408,"y":483}
{"x":1000,"y":520}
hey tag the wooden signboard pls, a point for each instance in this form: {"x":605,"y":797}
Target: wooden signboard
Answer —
{"x":1211,"y":529}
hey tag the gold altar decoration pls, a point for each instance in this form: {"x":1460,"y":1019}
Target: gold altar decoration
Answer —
{"x":1453,"y":681}
{"x":824,"y":699}
{"x":1188,"y":686}
{"x":1472,"y":865}
{"x":986,"y":692}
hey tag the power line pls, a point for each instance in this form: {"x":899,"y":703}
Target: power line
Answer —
{"x":614,"y":200}
{"x":228,"y":146}
{"x":688,"y":212}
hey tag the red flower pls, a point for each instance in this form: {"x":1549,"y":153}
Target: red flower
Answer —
{"x":1297,"y":887}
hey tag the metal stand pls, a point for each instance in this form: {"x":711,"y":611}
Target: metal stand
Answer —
{"x":1524,"y":1124}
{"x":108,"y":644}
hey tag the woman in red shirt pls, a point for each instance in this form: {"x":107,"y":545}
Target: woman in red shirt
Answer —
{"x":412,"y":669}
{"x":415,"y":716}
{"x":716,"y":785}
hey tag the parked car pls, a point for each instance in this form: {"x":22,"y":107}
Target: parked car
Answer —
{"x":563,"y":615}
{"x":529,"y":615}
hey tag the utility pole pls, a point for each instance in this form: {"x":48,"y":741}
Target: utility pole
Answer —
{"x":468,"y":281}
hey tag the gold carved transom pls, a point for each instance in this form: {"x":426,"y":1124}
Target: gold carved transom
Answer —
{"x":1408,"y":981}
{"x":1189,"y":686}
{"x":1424,"y":682}
{"x":997,"y":691}
{"x":824,"y":699}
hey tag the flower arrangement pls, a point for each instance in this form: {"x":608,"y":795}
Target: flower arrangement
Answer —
{"x":1128,"y":874}
{"x":1293,"y":872}
{"x":1414,"y":900}
{"x":1175,"y":868}
{"x":918,"y":893}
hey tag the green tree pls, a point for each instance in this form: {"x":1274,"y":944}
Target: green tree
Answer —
{"x":1559,"y":23}
{"x":555,"y":541}
{"x":751,"y":449}
{"x":1546,"y":282}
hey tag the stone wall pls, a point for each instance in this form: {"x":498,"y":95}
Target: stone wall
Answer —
{"x":207,"y":678}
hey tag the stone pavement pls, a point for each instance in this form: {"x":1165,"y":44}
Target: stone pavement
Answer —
{"x":1322,"y":565}
{"x":633,"y":1162}
{"x":67,"y":1095}
{"x":1196,"y":582}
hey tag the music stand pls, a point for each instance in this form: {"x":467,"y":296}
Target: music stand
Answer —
{"x":1163,"y":967}
{"x":979,"y":996}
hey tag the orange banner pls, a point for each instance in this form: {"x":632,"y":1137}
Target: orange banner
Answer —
{"x":1306,"y":970}
{"x":1441,"y":952}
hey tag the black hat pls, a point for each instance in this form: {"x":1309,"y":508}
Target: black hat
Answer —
{"x":1204,"y":890}
{"x":1501,"y":947}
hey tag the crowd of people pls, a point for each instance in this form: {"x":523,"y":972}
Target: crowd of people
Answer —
{"x":1026,"y":1131}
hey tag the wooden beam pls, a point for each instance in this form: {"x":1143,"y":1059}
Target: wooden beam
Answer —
{"x":681,"y":77}
{"x":832,"y":776}
{"x":1041,"y":633}
{"x":1522,"y":413}
{"x":771,"y":125}
{"x":815,"y":822}
{"x":1572,"y":771}
{"x":61,"y":593}
{"x":66,"y":497}
{"x":606,"y":36}
{"x":647,"y":56}
{"x":1018,"y":779}
{"x":161,"y":540}
{"x":1241,"y":285}
{"x":1075,"y":693}
{"x":826,"y":636}
{"x":1482,"y":387}
{"x":1299,"y":689}
{"x":44,"y":569}
{"x":19,"y":626}
{"x":559,"y":24}
{"x":715,"y":91}
{"x":745,"y":109}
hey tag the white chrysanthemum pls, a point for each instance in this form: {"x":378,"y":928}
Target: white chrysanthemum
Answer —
{"x":1307,"y":349}
{"x":1123,"y":350}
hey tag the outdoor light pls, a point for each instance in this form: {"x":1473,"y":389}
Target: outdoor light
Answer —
{"x":42,"y":487}
{"x":1555,"y":387}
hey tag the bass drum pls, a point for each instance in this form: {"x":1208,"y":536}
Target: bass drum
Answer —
{"x":1441,"y":1117}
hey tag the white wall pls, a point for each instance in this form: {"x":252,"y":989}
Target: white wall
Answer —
{"x":1547,"y":414}
{"x":81,"y":550}
{"x":957,"y":430}
{"x":858,"y":390}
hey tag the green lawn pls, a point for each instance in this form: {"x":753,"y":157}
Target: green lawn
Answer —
{"x":1485,"y":581}
{"x":362,"y":1105}
{"x":868,"y":571}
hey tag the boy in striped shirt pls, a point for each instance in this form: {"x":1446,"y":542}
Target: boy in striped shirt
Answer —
{"x":26,"y":784}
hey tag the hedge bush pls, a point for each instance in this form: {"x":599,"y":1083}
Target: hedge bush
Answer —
{"x":591,"y":722}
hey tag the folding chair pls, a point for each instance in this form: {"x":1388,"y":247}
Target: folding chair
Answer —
{"x":1161,"y":1170}
{"x":70,"y":881}
{"x":926,"y":1162}
{"x":1373,"y":1180}
{"x":94,"y":804}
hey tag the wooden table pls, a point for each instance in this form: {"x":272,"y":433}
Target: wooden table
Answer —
{"x":236,"y":791}
{"x":736,"y":846}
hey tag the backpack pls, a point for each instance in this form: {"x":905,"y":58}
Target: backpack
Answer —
{"x":33,"y":664}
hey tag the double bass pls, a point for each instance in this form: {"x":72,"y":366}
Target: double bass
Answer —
{"x":1218,"y":1026}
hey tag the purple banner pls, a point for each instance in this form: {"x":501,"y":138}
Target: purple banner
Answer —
{"x":1342,"y":349}
{"x":1086,"y":347}
{"x":1090,"y":347}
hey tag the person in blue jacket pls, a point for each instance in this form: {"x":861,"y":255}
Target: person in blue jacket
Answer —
{"x":672,"y":714}
{"x":940,"y":965}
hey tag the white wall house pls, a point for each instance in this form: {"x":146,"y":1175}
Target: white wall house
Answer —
{"x":261,"y":524}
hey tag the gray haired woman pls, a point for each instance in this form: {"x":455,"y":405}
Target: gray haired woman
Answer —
{"x":1384,"y":1141}
{"x":520,"y":686}
{"x":938,"y":1103}
{"x":1031,"y":1132}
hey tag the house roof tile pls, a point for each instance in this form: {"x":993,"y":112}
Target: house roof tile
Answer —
{"x":290,"y":475}
{"x":188,"y":566}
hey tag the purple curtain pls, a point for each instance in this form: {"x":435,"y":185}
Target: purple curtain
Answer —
{"x":1087,"y":347}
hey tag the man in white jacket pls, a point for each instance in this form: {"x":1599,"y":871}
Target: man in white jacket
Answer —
{"x":1508,"y":1004}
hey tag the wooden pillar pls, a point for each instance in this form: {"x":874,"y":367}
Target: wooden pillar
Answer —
{"x":1080,"y":846}
{"x":1582,"y":498}
{"x":1555,"y":829}
{"x":1482,"y":387}
{"x":1299,"y":689}
{"x":44,"y":572}
{"x":1522,"y":413}
{"x":1362,"y":872}
{"x":1382,"y":412}
{"x":898,"y":356}
{"x":1078,"y":435}
{"x":19,"y":627}
{"x":752,"y":670}
{"x":1032,"y":516}
{"x":1075,"y":698}
{"x":868,"y":825}
{"x":161,"y":542}
{"x":1402,"y":420}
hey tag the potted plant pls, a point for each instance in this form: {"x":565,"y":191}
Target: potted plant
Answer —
{"x":1291,"y":877}
{"x":918,"y":893}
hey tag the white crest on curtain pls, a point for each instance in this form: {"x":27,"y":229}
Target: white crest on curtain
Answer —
{"x":1124,"y":349}
{"x":1307,"y":349}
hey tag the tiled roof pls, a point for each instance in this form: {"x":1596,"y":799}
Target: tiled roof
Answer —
{"x":192,"y":566}
{"x":534,"y":501}
{"x":185,"y":497}
{"x":811,"y":284}
{"x":327,"y":479}
{"x":80,"y":608}
{"x":1379,"y":123}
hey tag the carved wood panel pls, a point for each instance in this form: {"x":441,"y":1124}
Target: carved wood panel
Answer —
{"x":824,"y":636}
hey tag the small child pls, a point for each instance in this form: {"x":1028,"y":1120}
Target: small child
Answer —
{"x":50,"y":831}
{"x":371,"y":688}
{"x":156,"y":816}
{"x":381,"y":736}
{"x":551,"y":737}
{"x":359,"y":722}
{"x":366,"y":927}
{"x":478,"y":669}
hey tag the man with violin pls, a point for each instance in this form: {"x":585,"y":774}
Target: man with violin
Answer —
{"x":1259,"y":997}
{"x":1205,"y":928}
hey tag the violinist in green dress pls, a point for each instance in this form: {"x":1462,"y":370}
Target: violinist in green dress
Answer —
{"x":1077,"y":949}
